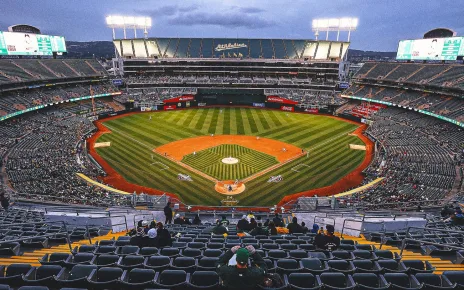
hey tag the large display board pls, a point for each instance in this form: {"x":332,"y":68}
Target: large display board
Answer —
{"x":431,"y":49}
{"x":16,"y":43}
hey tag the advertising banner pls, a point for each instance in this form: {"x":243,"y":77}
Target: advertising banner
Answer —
{"x":170,"y":107}
{"x":184,"y":98}
{"x":261,"y":105}
{"x":431,"y":49}
{"x":312,"y":111}
{"x":287,"y":108}
{"x":17,"y":43}
{"x":277,"y":99}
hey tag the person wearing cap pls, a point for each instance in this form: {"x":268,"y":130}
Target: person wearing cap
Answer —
{"x":219,"y":229}
{"x":277,"y":220}
{"x":145,"y":227}
{"x":150,"y":239}
{"x":259,"y":230}
{"x":242,"y":275}
{"x":243,"y":224}
{"x":178,"y":220}
{"x":328,"y":241}
{"x":224,"y":221}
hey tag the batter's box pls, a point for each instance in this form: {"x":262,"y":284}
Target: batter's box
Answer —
{"x":298,"y":167}
{"x":161,"y":166}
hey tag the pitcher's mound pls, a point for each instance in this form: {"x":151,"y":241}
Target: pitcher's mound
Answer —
{"x":228,"y":187}
{"x":230,"y":160}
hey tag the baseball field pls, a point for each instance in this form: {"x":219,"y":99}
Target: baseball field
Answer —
{"x":307,"y":151}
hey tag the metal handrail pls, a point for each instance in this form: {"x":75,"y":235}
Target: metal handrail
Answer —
{"x":68,"y":239}
{"x":403,"y":244}
{"x":91,"y":218}
{"x":362,"y":221}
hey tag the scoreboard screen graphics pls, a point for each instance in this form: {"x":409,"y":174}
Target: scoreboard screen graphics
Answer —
{"x":15,"y":43}
{"x":431,"y":49}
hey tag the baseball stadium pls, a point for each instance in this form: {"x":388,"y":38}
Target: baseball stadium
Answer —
{"x":231,"y":163}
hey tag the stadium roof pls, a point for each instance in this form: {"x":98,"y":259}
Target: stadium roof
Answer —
{"x":231,"y":48}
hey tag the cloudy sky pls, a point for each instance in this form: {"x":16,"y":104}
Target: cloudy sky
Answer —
{"x":382,"y":23}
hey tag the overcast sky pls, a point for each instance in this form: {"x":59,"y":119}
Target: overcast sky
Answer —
{"x":382,"y":23}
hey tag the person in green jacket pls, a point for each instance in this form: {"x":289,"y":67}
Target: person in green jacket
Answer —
{"x":242,"y":275}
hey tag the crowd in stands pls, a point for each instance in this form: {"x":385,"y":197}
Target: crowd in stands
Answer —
{"x":444,"y":105}
{"x":42,"y":153}
{"x":229,"y":79}
{"x":25,"y":70}
{"x":419,"y":158}
{"x":153,"y":95}
{"x":440,"y":75}
{"x":307,"y":97}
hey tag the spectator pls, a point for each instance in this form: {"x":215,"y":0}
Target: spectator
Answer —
{"x":163,"y":236}
{"x":272,"y":228}
{"x":138,"y":239}
{"x":315,"y":229}
{"x":243,"y":224}
{"x":304,"y":228}
{"x":219,"y":229}
{"x":259,"y":230}
{"x":253,"y":224}
{"x":224,"y":221}
{"x":196,"y":220}
{"x":145,"y":227}
{"x":150,"y":239}
{"x":277,"y":220}
{"x":178,"y":220}
{"x":168,"y":213}
{"x":328,"y":241}
{"x":241,"y":276}
{"x":4,"y":201}
{"x":294,"y":227}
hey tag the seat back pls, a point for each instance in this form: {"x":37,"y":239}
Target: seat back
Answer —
{"x":17,"y":269}
{"x":363,"y":254}
{"x":145,"y":251}
{"x":302,"y":280}
{"x":83,"y":257}
{"x":388,"y":264}
{"x":132,"y":260}
{"x":287,"y":264}
{"x":141,"y":275}
{"x":429,"y":278}
{"x":208,"y":261}
{"x":56,"y":257}
{"x":47,"y":271}
{"x":399,"y":279}
{"x":126,"y":250}
{"x":339,"y":264}
{"x":189,"y":252}
{"x":81,"y":271}
{"x":106,"y":259}
{"x":184,"y":262}
{"x":318,"y":255}
{"x":172,"y":277}
{"x":363,"y":264}
{"x":87,"y":248}
{"x":384,"y":254}
{"x":158,"y":261}
{"x":337,"y":280}
{"x":212,"y":253}
{"x":415,"y":264}
{"x":107,"y":274}
{"x":455,"y":276}
{"x":367,"y":279}
{"x":341,"y":254}
{"x":312,"y":263}
{"x":204,"y":278}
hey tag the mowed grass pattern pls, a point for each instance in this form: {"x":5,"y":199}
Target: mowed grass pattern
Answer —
{"x":134,"y":137}
{"x":209,"y":161}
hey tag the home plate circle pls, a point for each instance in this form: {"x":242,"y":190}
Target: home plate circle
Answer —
{"x":230,"y":160}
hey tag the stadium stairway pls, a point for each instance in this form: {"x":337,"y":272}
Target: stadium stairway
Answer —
{"x":439,"y":264}
{"x":33,"y":257}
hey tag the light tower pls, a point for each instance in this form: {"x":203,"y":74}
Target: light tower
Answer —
{"x":334,"y":24}
{"x":128,"y":22}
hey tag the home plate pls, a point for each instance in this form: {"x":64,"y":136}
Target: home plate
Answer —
{"x":357,"y":147}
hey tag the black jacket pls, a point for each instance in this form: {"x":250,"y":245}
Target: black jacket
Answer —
{"x":248,"y":278}
{"x":168,"y":212}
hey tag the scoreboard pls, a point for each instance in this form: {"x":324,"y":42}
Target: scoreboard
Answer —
{"x":16,"y":43}
{"x":431,"y":49}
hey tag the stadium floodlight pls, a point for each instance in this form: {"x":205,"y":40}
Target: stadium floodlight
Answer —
{"x":334,"y":24}
{"x":131,"y":22}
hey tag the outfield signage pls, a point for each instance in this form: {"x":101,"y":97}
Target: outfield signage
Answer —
{"x":287,"y":108}
{"x":277,"y":99}
{"x":170,"y":107}
{"x":261,"y":105}
{"x":180,"y":99}
{"x":312,"y":111}
{"x":344,"y":85}
{"x":117,"y":82}
{"x":460,"y":124}
{"x":56,"y":103}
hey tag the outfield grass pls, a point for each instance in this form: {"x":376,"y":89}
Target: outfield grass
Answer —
{"x":209,"y":161}
{"x":134,"y":137}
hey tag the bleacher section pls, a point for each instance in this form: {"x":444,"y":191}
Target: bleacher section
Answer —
{"x":371,"y":262}
{"x":26,"y":70}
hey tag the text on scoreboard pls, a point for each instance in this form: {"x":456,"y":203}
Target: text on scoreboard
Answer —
{"x":16,"y":43}
{"x":431,"y":49}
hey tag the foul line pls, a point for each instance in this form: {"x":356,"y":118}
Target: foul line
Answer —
{"x":128,"y":136}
